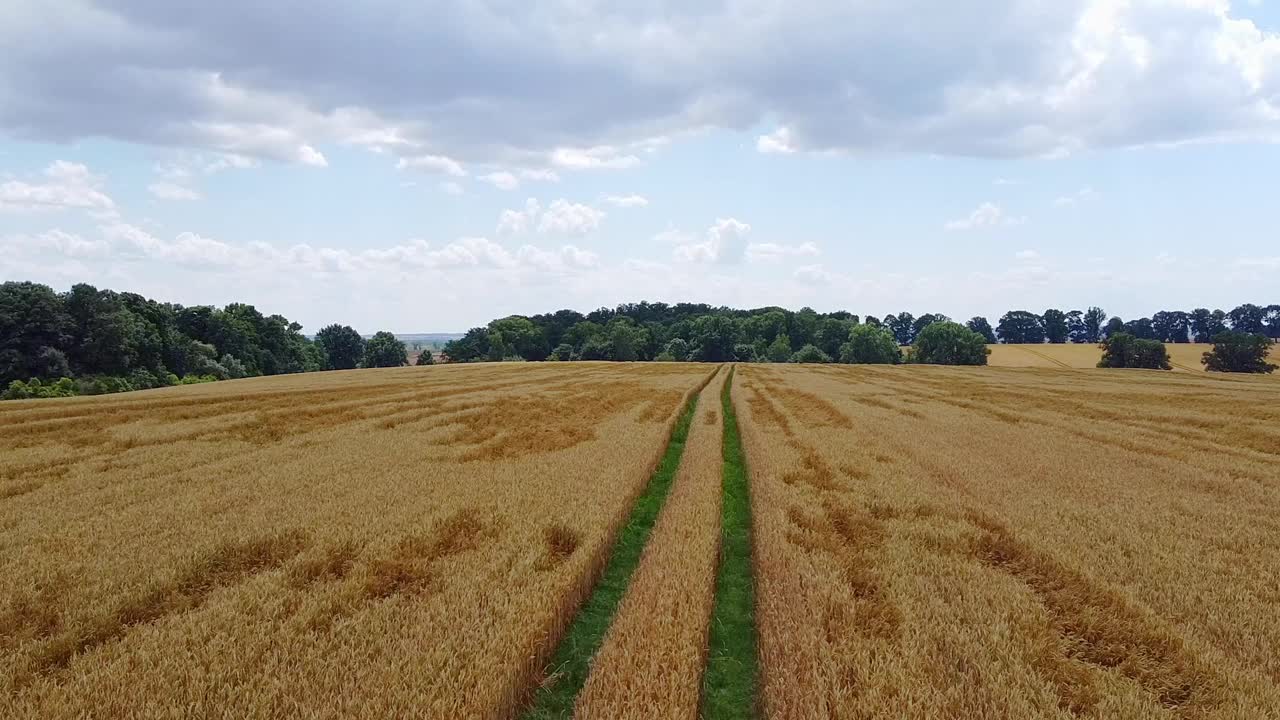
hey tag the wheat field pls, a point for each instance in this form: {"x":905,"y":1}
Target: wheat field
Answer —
{"x":1184,"y":357}
{"x":925,"y":543}
{"x":1004,"y":543}
{"x":384,"y":543}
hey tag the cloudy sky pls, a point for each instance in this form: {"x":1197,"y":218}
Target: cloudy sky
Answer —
{"x":427,"y":166}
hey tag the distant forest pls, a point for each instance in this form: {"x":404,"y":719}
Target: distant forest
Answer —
{"x":702,"y":333}
{"x":88,"y":341}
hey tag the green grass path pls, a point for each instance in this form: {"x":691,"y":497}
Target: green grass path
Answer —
{"x":729,"y":682}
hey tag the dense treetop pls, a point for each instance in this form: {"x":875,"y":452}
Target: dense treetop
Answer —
{"x":110,"y":341}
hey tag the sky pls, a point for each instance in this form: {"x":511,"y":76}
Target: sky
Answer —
{"x":428,"y":166}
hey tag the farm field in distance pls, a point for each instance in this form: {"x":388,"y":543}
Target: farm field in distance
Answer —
{"x":1184,"y":357}
{"x":925,"y":543}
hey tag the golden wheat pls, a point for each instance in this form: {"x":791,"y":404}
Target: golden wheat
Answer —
{"x":383,"y":543}
{"x":974,"y":543}
{"x":650,"y":665}
{"x":1184,"y":357}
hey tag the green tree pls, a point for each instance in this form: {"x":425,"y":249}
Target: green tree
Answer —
{"x":202,"y":359}
{"x":745,"y":352}
{"x":499,"y":348}
{"x":948,"y":343}
{"x":233,"y":369}
{"x":831,"y":334}
{"x":32,"y":318}
{"x":1056,"y":328}
{"x":925,"y":321}
{"x":556,"y":324}
{"x":1171,"y":326}
{"x":1020,"y":327}
{"x":804,"y":327}
{"x":425,"y":357}
{"x":1273,"y":322}
{"x":1114,"y":325}
{"x":627,"y":340}
{"x":810,"y":354}
{"x":580,"y":332}
{"x":383,"y":350}
{"x":52,"y":363}
{"x":1239,"y":352}
{"x":902,"y":326}
{"x":1205,"y":324}
{"x":1248,"y":318}
{"x":597,"y":347}
{"x":1122,"y":350}
{"x":104,"y":334}
{"x":677,"y":350}
{"x":341,"y":345}
{"x":1142,"y":328}
{"x":980,"y":325}
{"x":1091,"y":325}
{"x":519,"y":337}
{"x":780,"y":349}
{"x":714,"y":337}
{"x":763,"y":327}
{"x":870,"y":345}
{"x":471,"y":347}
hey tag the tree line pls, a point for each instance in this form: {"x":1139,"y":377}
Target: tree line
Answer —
{"x":88,"y":341}
{"x":703,"y":333}
{"x":91,"y":341}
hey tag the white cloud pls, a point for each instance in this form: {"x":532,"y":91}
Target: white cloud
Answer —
{"x":987,"y":215}
{"x":514,"y":222}
{"x":1019,"y":78}
{"x":568,"y":257}
{"x":726,"y":243}
{"x":540,"y":175}
{"x":56,"y":242}
{"x":561,"y":216}
{"x":432,"y":163}
{"x":774,"y":252}
{"x":122,"y":241}
{"x":186,"y":248}
{"x":450,"y":187}
{"x":600,"y":156}
{"x":502,"y":180}
{"x":778,"y":141}
{"x":1259,"y":263}
{"x":172,"y":191}
{"x":627,"y":201}
{"x":308,"y":155}
{"x":673,"y":236}
{"x":229,"y":161}
{"x":1079,"y":196}
{"x":183,"y":166}
{"x":813,"y":274}
{"x":67,"y":186}
{"x":1027,"y":255}
{"x":578,"y":257}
